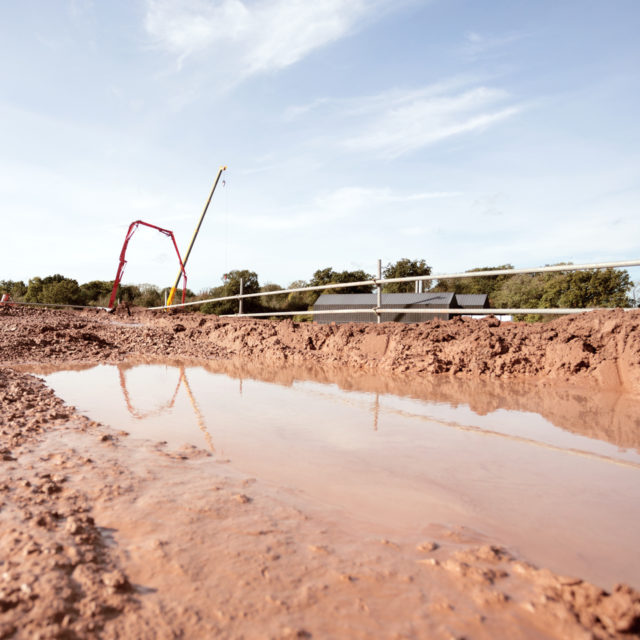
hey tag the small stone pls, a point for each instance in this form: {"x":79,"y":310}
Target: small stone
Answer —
{"x":73,"y":526}
{"x":430,"y":561}
{"x":346,"y":577}
{"x":116,"y":580}
{"x":569,"y":581}
{"x":318,"y":548}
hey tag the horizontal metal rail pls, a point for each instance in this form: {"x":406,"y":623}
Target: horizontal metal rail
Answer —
{"x":275,"y":293}
{"x":381,"y":281}
{"x":512,"y":272}
{"x":51,"y":304}
{"x":449,"y":311}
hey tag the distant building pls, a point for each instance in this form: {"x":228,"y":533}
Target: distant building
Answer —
{"x":367,"y":301}
{"x":472,"y":300}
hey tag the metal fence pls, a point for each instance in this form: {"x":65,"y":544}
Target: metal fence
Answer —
{"x":377,"y":311}
{"x":11,"y":303}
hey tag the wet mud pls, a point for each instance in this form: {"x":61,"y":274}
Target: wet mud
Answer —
{"x":599,"y":349}
{"x":103,"y":538}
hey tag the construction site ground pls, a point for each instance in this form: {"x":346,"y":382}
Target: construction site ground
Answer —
{"x":107,"y":536}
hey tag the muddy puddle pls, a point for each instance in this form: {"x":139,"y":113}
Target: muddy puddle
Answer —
{"x":552,"y":473}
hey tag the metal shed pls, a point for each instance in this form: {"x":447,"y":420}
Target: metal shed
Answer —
{"x":472,"y":300}
{"x":367,"y":301}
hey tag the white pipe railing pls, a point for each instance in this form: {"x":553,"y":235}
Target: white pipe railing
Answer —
{"x":51,"y":304}
{"x":408,"y":310}
{"x":376,"y":282}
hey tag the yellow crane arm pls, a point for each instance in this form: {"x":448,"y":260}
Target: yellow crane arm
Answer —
{"x":172,"y":293}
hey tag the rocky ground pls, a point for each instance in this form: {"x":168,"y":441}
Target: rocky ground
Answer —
{"x":103,"y":537}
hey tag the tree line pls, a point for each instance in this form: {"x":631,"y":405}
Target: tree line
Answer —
{"x":561,"y":289}
{"x":58,"y":289}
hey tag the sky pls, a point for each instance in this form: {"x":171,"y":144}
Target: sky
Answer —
{"x":460,"y":132}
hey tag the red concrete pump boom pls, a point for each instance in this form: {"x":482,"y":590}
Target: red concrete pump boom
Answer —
{"x":132,"y":228}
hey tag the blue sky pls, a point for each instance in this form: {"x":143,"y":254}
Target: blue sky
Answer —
{"x":466,"y":133}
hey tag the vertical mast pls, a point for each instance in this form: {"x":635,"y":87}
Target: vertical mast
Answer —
{"x":193,"y":238}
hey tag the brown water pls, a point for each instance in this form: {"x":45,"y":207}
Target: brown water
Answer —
{"x":560,"y":485}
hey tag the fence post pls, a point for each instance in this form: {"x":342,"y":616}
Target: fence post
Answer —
{"x":240,"y":300}
{"x":379,"y":304}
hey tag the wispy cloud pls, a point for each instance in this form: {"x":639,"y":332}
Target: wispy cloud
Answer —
{"x":415,"y":122}
{"x":340,"y":204}
{"x":397,"y":122}
{"x":257,"y":36}
{"x":477,"y":44}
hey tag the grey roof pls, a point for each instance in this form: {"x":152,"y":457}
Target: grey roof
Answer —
{"x":466,"y":300}
{"x":388,"y":299}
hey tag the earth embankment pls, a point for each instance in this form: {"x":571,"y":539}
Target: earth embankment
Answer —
{"x":600,"y":348}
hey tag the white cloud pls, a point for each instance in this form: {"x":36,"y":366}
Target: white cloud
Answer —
{"x":341,"y":204}
{"x":294,"y":112}
{"x":358,"y":198}
{"x":400,"y":122}
{"x":254,"y":36}
{"x":477,"y":44}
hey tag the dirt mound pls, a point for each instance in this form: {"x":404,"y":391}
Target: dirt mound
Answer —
{"x":600,"y":348}
{"x":57,"y":578}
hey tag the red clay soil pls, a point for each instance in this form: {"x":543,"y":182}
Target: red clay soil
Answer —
{"x":105,"y":538}
{"x":598,"y":348}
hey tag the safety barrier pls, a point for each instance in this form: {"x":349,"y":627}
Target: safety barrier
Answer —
{"x":378,"y":311}
{"x":51,"y":304}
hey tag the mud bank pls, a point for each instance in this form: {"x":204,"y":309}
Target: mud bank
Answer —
{"x":599,"y":348}
{"x":107,"y":537}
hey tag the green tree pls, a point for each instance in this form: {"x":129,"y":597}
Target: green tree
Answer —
{"x":523,"y":291}
{"x":65,"y":291}
{"x":219,"y":308}
{"x":591,"y":288}
{"x":405,"y":268}
{"x":56,"y":289}
{"x":129,"y":292}
{"x":231,"y":287}
{"x":300,"y":300}
{"x":96,"y":292}
{"x":329,"y":276}
{"x":15,"y":288}
{"x":564,"y":289}
{"x":250,"y":283}
{"x":479,"y":284}
{"x":277,"y":303}
{"x":34,"y":290}
{"x":149,"y":296}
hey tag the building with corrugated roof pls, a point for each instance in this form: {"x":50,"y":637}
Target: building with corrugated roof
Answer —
{"x":472,"y":300}
{"x":367,"y":301}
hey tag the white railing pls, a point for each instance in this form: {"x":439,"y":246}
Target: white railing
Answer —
{"x":10,"y":303}
{"x":379,"y":281}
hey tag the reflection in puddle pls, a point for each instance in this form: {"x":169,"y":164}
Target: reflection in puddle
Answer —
{"x":454,"y":453}
{"x":162,"y":409}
